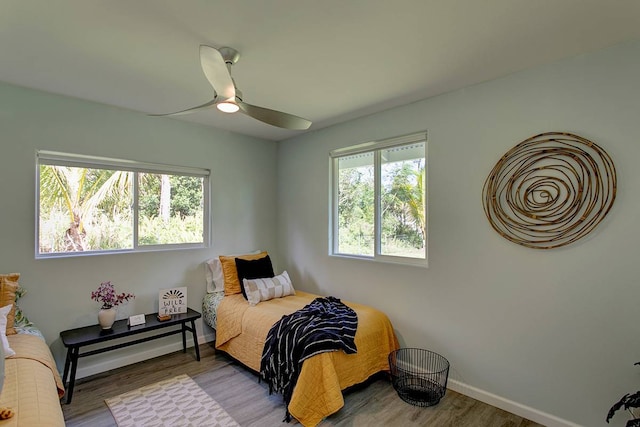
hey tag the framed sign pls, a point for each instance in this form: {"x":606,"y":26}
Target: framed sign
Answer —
{"x":172,"y":301}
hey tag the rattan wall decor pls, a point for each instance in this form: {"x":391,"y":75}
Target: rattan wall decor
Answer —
{"x":550,"y":190}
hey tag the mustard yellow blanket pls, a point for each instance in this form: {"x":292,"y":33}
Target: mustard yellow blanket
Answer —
{"x":32,"y":386}
{"x":242,"y":330}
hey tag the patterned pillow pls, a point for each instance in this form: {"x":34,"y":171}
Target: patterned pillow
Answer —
{"x":210,"y":304}
{"x":268,"y":288}
{"x":21,"y":321}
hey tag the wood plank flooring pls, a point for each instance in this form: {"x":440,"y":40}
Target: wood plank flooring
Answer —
{"x":237,"y":390}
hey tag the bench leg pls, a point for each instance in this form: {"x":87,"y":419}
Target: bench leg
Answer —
{"x":67,"y":362}
{"x":195,"y":339}
{"x":184,"y":337}
{"x":74,"y":365}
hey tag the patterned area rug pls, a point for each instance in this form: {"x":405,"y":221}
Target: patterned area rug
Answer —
{"x":178,"y":401}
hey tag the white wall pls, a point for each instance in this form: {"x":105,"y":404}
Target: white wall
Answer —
{"x":243,"y":187}
{"x":550,"y":334}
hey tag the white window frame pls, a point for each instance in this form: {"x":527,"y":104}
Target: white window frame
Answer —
{"x":376,"y":148}
{"x":44,"y":157}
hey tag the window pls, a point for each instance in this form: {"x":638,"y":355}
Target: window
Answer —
{"x":88,"y":205}
{"x":379,"y":200}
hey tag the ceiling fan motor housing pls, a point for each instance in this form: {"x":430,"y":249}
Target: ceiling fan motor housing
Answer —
{"x":229,"y":54}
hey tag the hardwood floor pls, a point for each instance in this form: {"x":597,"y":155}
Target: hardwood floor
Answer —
{"x":237,"y":390}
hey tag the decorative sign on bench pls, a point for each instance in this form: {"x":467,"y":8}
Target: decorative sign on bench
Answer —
{"x":172,"y":301}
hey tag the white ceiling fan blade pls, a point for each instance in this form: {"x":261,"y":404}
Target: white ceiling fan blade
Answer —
{"x":275,"y":118}
{"x":204,"y":106}
{"x":216,"y":71}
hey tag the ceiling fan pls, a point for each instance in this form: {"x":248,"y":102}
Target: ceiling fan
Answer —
{"x":216,"y":65}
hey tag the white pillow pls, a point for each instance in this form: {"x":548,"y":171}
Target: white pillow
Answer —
{"x":269,"y":288}
{"x":214,"y":275}
{"x":8,"y":351}
{"x":213,"y":272}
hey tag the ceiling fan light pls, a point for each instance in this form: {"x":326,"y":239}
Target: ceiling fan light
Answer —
{"x":227,"y":107}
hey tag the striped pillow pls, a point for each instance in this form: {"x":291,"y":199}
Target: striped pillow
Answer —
{"x":268,"y":288}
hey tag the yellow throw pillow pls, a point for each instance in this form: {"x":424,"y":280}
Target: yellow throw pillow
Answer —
{"x":230,"y":272}
{"x":8,"y":287}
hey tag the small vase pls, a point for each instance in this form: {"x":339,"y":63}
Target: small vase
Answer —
{"x":106,"y":317}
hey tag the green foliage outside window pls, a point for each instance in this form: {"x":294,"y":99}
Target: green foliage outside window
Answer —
{"x":90,"y":209}
{"x":402,"y":203}
{"x":356,"y":211}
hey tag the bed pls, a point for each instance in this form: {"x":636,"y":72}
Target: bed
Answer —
{"x":241,"y":330}
{"x":32,"y":386}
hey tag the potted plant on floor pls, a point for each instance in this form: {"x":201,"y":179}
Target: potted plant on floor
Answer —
{"x":628,"y":402}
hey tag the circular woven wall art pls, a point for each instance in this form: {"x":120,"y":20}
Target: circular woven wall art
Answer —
{"x":550,"y":190}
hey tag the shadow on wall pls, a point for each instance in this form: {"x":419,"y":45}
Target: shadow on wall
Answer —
{"x":304,"y":281}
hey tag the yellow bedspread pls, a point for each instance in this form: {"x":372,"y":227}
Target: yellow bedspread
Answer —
{"x":242,"y":330}
{"x":32,"y":386}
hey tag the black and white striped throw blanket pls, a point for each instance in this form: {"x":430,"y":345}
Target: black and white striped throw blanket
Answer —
{"x":325,"y":324}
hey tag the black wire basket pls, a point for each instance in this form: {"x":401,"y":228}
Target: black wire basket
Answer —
{"x":419,"y":376}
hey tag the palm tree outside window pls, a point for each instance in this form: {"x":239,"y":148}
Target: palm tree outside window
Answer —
{"x":89,"y":205}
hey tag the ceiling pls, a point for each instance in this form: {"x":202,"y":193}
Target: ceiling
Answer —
{"x":327,"y":60}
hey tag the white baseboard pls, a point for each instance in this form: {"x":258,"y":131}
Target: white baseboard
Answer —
{"x":509,"y":405}
{"x":86,"y":369}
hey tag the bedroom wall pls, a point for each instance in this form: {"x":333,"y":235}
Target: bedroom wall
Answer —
{"x":552,"y":334}
{"x":243,"y":209}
